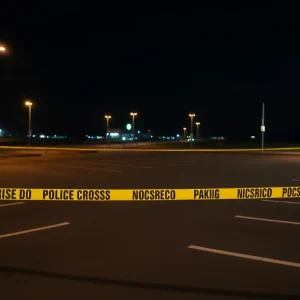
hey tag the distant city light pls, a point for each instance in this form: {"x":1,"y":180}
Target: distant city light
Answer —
{"x":42,"y":136}
{"x":252,"y":137}
{"x":128,"y":126}
{"x":114,"y":134}
{"x":123,"y":138}
{"x":138,"y":132}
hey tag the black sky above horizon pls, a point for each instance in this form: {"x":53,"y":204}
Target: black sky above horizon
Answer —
{"x":78,"y":61}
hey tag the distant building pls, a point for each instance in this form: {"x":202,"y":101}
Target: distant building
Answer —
{"x":218,"y":138}
{"x":118,"y":134}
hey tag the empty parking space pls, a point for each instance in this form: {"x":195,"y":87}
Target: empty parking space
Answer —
{"x":142,"y":242}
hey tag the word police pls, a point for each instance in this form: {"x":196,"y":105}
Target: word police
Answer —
{"x":76,"y":195}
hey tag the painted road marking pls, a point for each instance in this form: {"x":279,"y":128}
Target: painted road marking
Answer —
{"x":34,"y":230}
{"x":9,"y":204}
{"x":90,"y":169}
{"x":117,"y":165}
{"x":240,"y":255}
{"x":278,"y":201}
{"x":267,"y":220}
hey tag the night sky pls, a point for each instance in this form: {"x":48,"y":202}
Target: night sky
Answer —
{"x":78,"y":60}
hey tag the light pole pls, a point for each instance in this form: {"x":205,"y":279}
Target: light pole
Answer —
{"x":192,"y":117}
{"x":197,"y":124}
{"x":133,"y":114}
{"x":107,"y":117}
{"x":184,"y":133}
{"x":263,"y":128}
{"x":29,"y":104}
{"x":2,"y":49}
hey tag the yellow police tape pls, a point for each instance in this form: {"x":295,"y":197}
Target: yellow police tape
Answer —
{"x":150,"y":194}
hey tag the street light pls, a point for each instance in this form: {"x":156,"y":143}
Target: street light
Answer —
{"x":192,"y":117}
{"x":133,"y":114}
{"x":107,"y":117}
{"x":184,"y":133}
{"x":2,"y":49}
{"x":197,"y":124}
{"x":29,"y":104}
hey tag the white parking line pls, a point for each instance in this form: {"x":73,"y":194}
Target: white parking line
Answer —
{"x":267,"y":220}
{"x":33,"y":230}
{"x":9,"y":204}
{"x":240,"y":255}
{"x":278,"y":201}
{"x":90,"y":169}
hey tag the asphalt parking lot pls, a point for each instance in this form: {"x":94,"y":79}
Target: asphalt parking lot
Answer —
{"x":148,"y":170}
{"x":169,"y":250}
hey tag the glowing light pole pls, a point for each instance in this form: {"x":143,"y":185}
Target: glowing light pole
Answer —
{"x":29,"y":104}
{"x":263,"y":128}
{"x":197,"y":124}
{"x":184,"y":133}
{"x":192,"y":135}
{"x":107,"y":117}
{"x":133,"y":114}
{"x":2,"y":49}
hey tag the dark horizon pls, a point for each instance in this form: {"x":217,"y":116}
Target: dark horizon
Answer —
{"x":78,"y":62}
